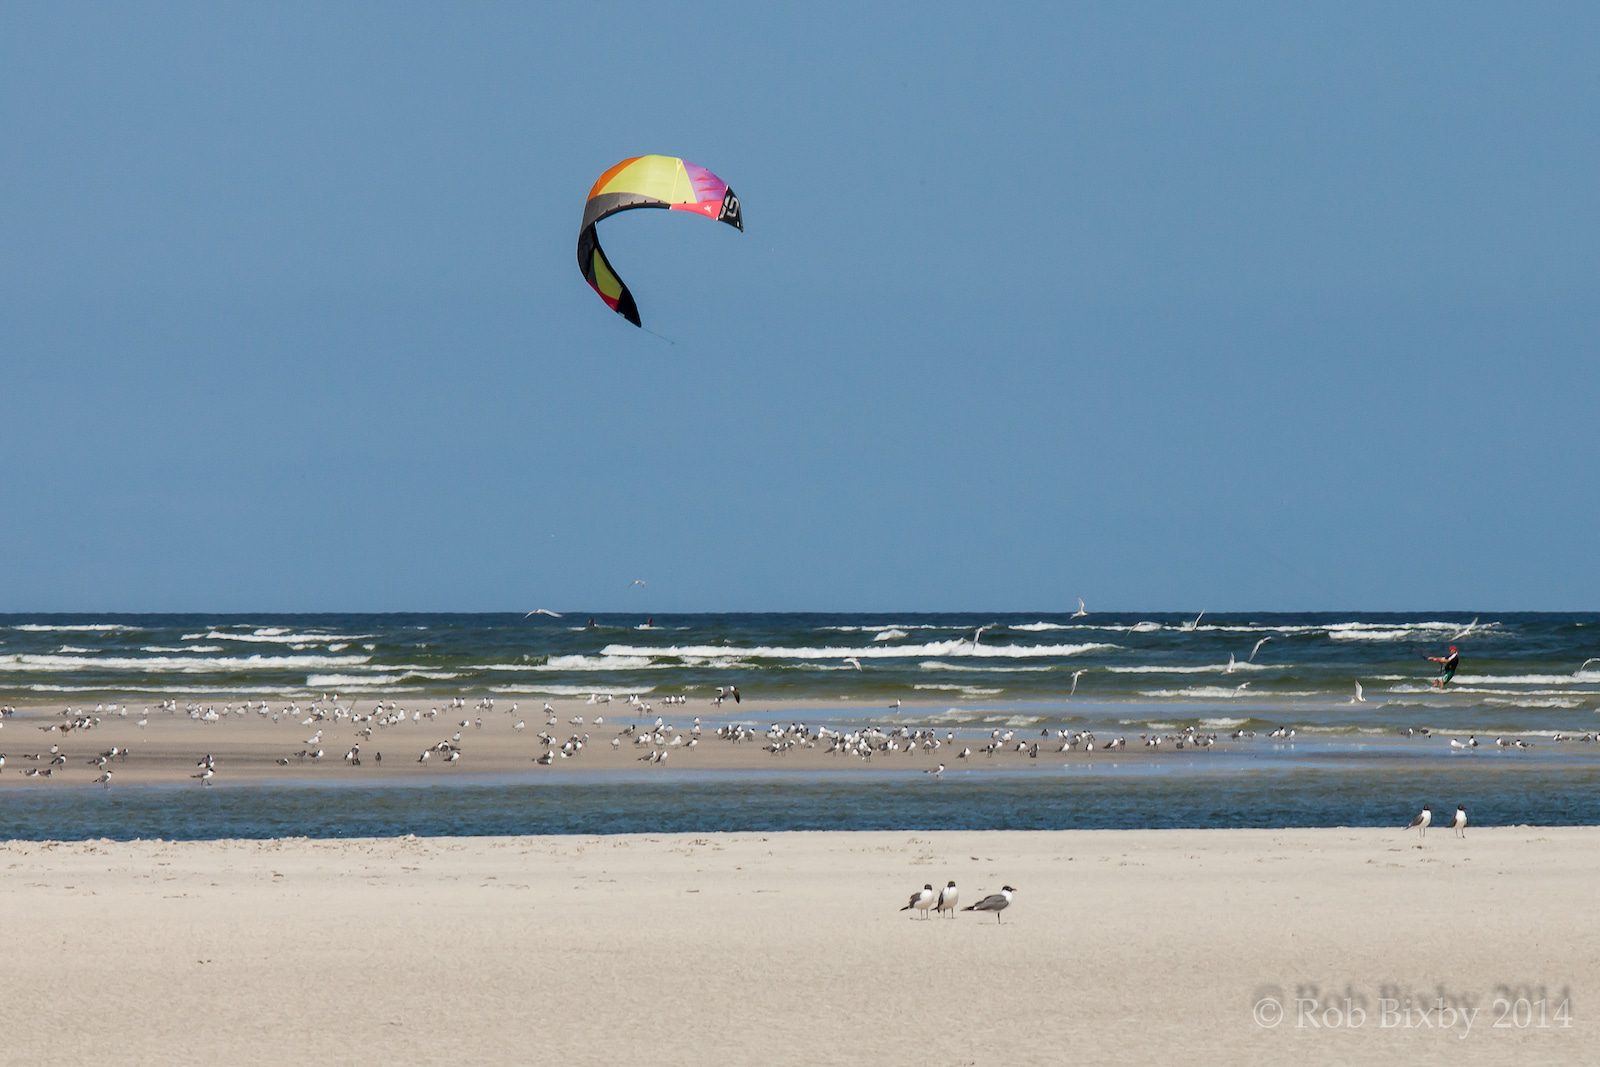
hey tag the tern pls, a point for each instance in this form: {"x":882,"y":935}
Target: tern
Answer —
{"x":977,"y":634}
{"x":995,"y":902}
{"x":1253,"y":651}
{"x":921,"y":900}
{"x":853,"y":661}
{"x":1471,"y":626}
{"x":1075,"y":676}
{"x":637,"y":581}
{"x":1591,"y":659}
{"x":1420,"y":823}
{"x":543,"y":611}
{"x":949,"y":897}
{"x":1082,"y":611}
{"x":1359,"y":698}
{"x":1189,"y":627}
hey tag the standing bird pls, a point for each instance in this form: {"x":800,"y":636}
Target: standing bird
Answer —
{"x":949,"y":897}
{"x":1420,"y":823}
{"x":1460,"y":825}
{"x":922,"y":900}
{"x":995,"y":902}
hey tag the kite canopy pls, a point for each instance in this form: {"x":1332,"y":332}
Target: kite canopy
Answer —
{"x":647,"y":181}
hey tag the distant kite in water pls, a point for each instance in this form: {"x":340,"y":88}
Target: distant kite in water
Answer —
{"x":647,"y":181}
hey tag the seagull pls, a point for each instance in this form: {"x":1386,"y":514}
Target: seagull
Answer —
{"x":937,"y":772}
{"x":1253,"y":651}
{"x":205,"y":776}
{"x":1082,"y":611}
{"x":1460,"y":825}
{"x":1189,"y":627}
{"x":543,"y":611}
{"x":1075,"y":676}
{"x":922,"y":900}
{"x":1359,"y":698}
{"x":995,"y":902}
{"x":949,"y":897}
{"x":1420,"y":823}
{"x":856,"y":663}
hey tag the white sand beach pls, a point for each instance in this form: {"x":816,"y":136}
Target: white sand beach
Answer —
{"x":1120,"y":947}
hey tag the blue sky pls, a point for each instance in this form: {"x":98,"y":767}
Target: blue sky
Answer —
{"x":1168,"y":306}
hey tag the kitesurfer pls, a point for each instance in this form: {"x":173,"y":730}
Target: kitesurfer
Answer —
{"x":1447,"y":667}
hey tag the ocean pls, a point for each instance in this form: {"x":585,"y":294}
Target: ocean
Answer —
{"x":1351,"y":762}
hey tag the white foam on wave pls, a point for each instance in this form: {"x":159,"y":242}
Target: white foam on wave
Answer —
{"x":77,"y":628}
{"x":574,"y":690}
{"x":165,"y":648}
{"x":1215,"y":668}
{"x":969,"y":690}
{"x":1223,"y":723}
{"x":953,"y":649}
{"x":579,"y":663}
{"x":170,"y":690}
{"x":900,"y":627}
{"x":980,"y":668}
{"x":1199,"y":692}
{"x":350,"y":681}
{"x":163,"y":664}
{"x":277,"y":636}
{"x":891,"y":635}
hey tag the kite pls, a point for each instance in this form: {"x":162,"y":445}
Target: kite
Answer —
{"x":647,"y":181}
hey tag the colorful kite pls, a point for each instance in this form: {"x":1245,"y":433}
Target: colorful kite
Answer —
{"x":647,"y":181}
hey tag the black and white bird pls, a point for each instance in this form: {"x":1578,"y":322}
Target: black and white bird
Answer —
{"x":949,"y":897}
{"x":995,"y":902}
{"x":1420,"y":823}
{"x":1460,"y":825}
{"x":921,"y":900}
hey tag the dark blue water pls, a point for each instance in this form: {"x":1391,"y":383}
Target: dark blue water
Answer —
{"x":1197,"y":794}
{"x":1510,"y":660}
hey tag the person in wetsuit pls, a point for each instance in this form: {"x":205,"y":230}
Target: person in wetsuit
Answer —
{"x":1447,"y":667}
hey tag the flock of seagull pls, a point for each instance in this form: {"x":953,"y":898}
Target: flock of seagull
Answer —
{"x":656,"y":741}
{"x":944,"y":901}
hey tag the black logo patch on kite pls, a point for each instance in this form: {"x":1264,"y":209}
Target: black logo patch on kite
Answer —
{"x":730,"y":212}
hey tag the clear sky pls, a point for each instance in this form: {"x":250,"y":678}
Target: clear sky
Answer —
{"x":1171,"y":306}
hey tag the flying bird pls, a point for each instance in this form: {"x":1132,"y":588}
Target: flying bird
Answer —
{"x":543,"y":611}
{"x":637,"y":581}
{"x":1253,"y":651}
{"x":1471,"y":626}
{"x":1082,"y":611}
{"x":995,"y":902}
{"x":1189,"y":627}
{"x":1079,"y":673}
{"x":1591,"y":659}
{"x":1359,"y":698}
{"x":853,"y":661}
